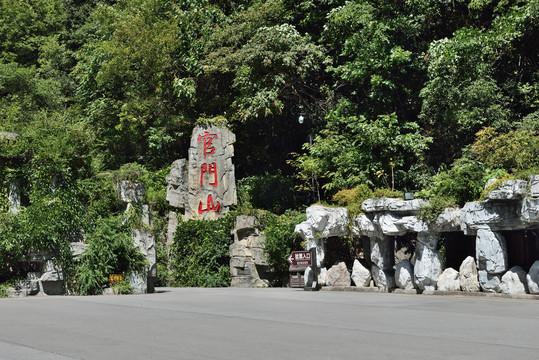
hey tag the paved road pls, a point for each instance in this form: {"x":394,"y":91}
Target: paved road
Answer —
{"x":268,"y":324}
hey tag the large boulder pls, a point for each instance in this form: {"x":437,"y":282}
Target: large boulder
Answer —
{"x":468,"y":277}
{"x":490,"y":215}
{"x":514,"y":281}
{"x":384,"y":280}
{"x":509,"y":190}
{"x":328,"y":222}
{"x":404,"y":275}
{"x":428,"y":266}
{"x":532,"y":278}
{"x":363,"y":226}
{"x":449,"y":280}
{"x":491,"y":251}
{"x":361,"y":276}
{"x":395,"y":205}
{"x":489,"y":282}
{"x":338,"y":275}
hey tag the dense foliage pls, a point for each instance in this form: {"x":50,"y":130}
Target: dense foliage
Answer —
{"x":413,"y":94}
{"x":199,"y":254}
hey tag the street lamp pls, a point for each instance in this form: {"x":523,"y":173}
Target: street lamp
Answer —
{"x":301,"y":119}
{"x":304,"y":117}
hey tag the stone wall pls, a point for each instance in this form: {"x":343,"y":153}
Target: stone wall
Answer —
{"x":513,"y":206}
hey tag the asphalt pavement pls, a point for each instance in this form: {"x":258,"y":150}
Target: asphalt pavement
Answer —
{"x":281,"y":323}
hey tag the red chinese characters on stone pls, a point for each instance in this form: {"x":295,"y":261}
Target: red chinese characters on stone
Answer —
{"x":208,"y":139}
{"x":209,"y":169}
{"x":210,"y":206}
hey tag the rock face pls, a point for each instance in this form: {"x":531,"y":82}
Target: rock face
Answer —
{"x":468,"y":277}
{"x":248,"y":265}
{"x":384,"y":280}
{"x":177,"y":184}
{"x":382,"y":252}
{"x":488,"y":282}
{"x":322,"y":222}
{"x":338,"y":275}
{"x":491,"y":251}
{"x":449,"y":280}
{"x":428,"y":266}
{"x":361,"y":276}
{"x":14,"y":196}
{"x":130,"y":192}
{"x":509,"y":190}
{"x":532,"y":278}
{"x":211,"y":179}
{"x":404,"y":275}
{"x":514,"y":281}
{"x":145,"y":242}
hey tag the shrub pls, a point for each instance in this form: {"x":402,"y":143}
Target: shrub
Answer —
{"x":281,"y":239}
{"x":200,"y":253}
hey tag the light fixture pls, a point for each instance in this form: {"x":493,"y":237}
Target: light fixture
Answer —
{"x":301,"y":118}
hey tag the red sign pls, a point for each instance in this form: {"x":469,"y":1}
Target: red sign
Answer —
{"x":300,"y":258}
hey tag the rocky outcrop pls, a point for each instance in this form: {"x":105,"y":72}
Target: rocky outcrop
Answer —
{"x":211,"y":178}
{"x":384,"y":280}
{"x":428,"y":266}
{"x":449,"y":280}
{"x":514,"y":281}
{"x":404,"y":275}
{"x":532,"y":278}
{"x":177,"y":188}
{"x":361,"y":276}
{"x":130,"y":192}
{"x":491,"y":251}
{"x":338,"y":275}
{"x":488,"y":282}
{"x":248,"y":264}
{"x":322,"y":222}
{"x":468,"y":277}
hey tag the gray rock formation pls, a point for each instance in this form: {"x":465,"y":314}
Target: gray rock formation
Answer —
{"x":468,"y":277}
{"x":322,"y":275}
{"x":361,"y":276}
{"x":449,"y":280}
{"x":211,"y":179}
{"x":428,"y":266}
{"x":172,"y":226}
{"x":404,"y":275}
{"x":491,"y":251}
{"x":130,"y":192}
{"x":338,"y":275}
{"x":248,"y":265}
{"x":514,"y":281}
{"x":489,"y":282}
{"x":177,"y":188}
{"x":532,"y":278}
{"x":382,"y":252}
{"x":509,"y":190}
{"x":384,"y":280}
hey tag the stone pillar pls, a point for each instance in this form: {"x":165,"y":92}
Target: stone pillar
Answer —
{"x":382,"y":252}
{"x":491,"y":255}
{"x":428,"y":262}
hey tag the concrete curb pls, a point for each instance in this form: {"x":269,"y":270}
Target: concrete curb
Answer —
{"x":432,"y":292}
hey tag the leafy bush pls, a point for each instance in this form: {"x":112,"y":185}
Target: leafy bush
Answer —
{"x":437,"y":205}
{"x":353,"y":198}
{"x":513,"y":151}
{"x":281,"y":239}
{"x":200,"y":254}
{"x":110,"y":251}
{"x":463,"y":182}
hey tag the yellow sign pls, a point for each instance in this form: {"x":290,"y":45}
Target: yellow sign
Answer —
{"x":114,"y":278}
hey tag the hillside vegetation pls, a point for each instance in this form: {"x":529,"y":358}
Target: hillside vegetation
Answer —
{"x":413,"y":94}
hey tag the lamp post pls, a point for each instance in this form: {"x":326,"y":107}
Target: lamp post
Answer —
{"x":305,"y":118}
